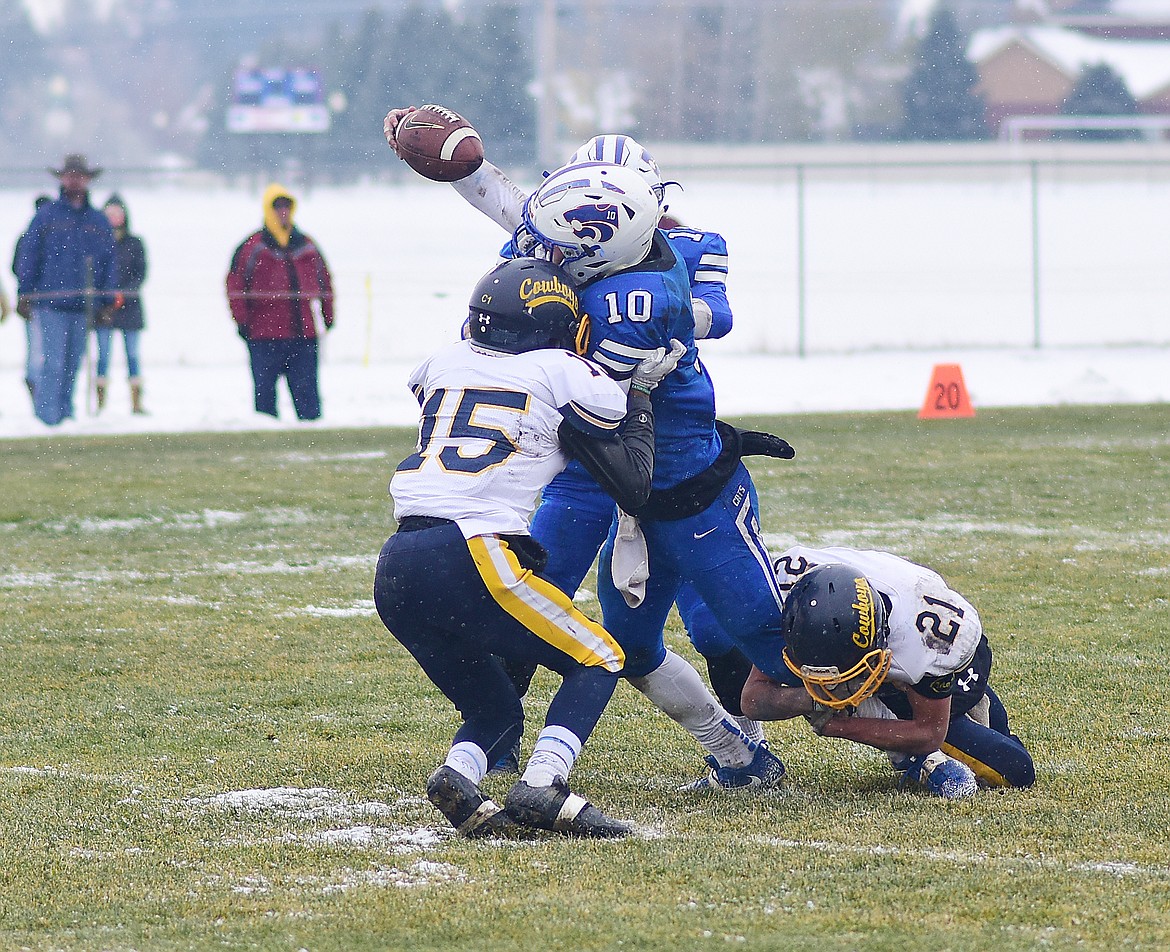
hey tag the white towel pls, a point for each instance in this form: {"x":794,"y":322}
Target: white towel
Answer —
{"x":630,"y":566}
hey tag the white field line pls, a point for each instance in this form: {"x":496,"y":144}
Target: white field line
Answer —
{"x":279,"y":567}
{"x":1105,"y":867}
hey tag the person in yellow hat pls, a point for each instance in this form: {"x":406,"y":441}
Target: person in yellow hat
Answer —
{"x":277,"y":276}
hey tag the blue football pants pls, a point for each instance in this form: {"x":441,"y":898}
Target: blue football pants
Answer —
{"x":718,"y":552}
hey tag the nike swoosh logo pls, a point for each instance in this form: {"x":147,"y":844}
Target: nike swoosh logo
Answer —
{"x":416,"y":124}
{"x":703,"y":535}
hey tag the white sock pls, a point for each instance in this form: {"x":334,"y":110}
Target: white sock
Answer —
{"x":753,"y":730}
{"x":678,"y":691}
{"x":468,"y":759}
{"x":553,"y":755}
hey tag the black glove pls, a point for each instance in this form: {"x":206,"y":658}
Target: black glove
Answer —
{"x":754,"y":443}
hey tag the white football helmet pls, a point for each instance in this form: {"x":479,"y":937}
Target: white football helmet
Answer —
{"x":600,"y":217}
{"x":622,"y":150}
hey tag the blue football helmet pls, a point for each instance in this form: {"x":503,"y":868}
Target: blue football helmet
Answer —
{"x":595,"y":218}
{"x":524,"y":304}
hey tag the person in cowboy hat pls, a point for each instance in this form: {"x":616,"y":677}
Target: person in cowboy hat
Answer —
{"x":66,"y":274}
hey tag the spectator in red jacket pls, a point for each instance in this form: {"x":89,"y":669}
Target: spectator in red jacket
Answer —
{"x":277,"y":284}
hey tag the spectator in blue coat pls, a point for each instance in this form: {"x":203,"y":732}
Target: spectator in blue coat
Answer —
{"x":67,"y":251}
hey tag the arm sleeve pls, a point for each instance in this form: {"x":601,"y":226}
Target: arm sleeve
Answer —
{"x":715,"y":297}
{"x":138,"y":267}
{"x":623,"y":465}
{"x":26,"y":263}
{"x":108,"y":279}
{"x":325,"y":286}
{"x":709,"y":283}
{"x":236,"y":292}
{"x":494,"y":194}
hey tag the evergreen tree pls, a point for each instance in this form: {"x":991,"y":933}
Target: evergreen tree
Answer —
{"x":1100,"y":91}
{"x":23,"y":72}
{"x":940,"y":101}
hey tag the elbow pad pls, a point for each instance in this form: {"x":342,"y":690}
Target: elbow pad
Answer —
{"x":703,"y":317}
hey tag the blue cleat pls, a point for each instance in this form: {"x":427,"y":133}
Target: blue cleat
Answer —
{"x":941,"y":775}
{"x":509,"y":763}
{"x":765,"y":772}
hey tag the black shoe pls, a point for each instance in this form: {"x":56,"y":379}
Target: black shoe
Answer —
{"x":558,"y":808}
{"x":462,"y":803}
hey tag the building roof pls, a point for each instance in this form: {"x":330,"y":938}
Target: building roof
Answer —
{"x":1143,"y":64}
{"x":1155,"y":10}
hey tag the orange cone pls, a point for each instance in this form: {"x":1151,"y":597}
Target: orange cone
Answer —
{"x":947,"y":394}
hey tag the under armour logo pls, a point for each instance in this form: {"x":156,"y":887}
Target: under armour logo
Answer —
{"x":966,"y":682}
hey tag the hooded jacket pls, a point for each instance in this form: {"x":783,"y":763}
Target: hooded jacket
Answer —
{"x":130,"y":265}
{"x":63,"y":247}
{"x":275,"y":275}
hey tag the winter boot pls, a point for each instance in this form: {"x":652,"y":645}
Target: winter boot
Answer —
{"x":102,"y":390}
{"x":135,"y":396}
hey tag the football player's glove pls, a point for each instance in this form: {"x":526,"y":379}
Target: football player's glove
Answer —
{"x":755,"y":443}
{"x":651,"y":371}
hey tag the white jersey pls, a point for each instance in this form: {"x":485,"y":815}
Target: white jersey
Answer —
{"x":934,"y":630}
{"x":488,"y":439}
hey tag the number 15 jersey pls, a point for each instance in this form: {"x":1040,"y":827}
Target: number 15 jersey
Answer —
{"x":488,"y":440}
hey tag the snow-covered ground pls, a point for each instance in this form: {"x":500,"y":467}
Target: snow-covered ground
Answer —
{"x":898,"y":278}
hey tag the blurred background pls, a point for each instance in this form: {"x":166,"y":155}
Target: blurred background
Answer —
{"x":890,"y":175}
{"x":250,"y":87}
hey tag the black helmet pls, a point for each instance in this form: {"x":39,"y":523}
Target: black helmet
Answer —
{"x":837,"y":631}
{"x":524,"y":304}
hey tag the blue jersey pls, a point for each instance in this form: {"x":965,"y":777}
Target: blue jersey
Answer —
{"x":636,"y":311}
{"x":705,"y":255}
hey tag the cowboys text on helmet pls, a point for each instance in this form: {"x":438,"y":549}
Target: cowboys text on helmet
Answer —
{"x":535,"y":292}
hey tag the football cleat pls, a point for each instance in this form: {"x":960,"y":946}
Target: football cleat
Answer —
{"x":464,"y":805}
{"x":765,"y":772}
{"x":509,"y":763}
{"x":557,"y":808}
{"x":941,"y":775}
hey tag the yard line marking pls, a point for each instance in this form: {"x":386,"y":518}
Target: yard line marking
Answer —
{"x":1114,"y":868}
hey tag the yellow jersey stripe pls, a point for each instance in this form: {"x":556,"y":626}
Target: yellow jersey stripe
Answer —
{"x":541,"y":607}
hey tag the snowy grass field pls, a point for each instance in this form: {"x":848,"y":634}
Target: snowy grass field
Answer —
{"x":207,"y":740}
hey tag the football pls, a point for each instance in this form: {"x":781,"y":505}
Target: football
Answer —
{"x":439,"y":144}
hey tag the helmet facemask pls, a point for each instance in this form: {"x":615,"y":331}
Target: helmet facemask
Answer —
{"x":581,"y":336}
{"x":838,"y":690}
